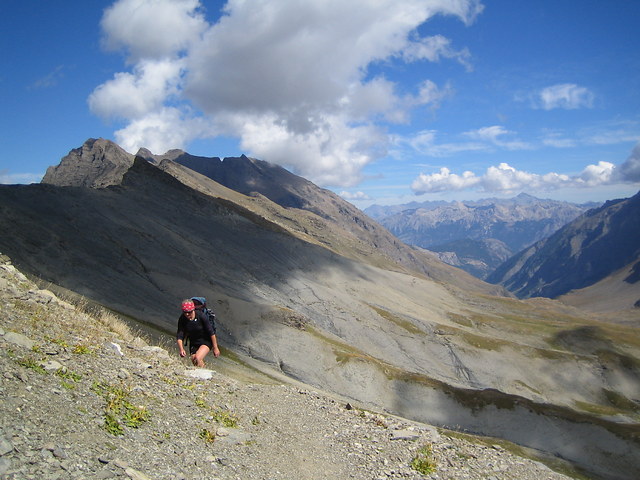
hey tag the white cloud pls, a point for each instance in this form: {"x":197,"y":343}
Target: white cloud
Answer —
{"x":433,"y":48}
{"x":485,"y":139}
{"x":495,"y":134}
{"x":568,"y":96}
{"x":152,"y":29}
{"x":444,"y":181}
{"x":288,"y":78}
{"x":161,"y":131}
{"x":354,"y":195}
{"x":332,"y":153}
{"x":506,"y":179}
{"x":134,"y":95}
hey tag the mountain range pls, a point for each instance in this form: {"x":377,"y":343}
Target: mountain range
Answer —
{"x":307,"y":284}
{"x":596,"y":258}
{"x":477,"y":236}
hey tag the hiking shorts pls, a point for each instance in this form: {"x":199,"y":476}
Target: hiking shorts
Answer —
{"x":193,"y":348}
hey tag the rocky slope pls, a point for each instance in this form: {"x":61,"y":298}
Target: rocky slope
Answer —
{"x":313,"y":212}
{"x":602,"y":243}
{"x":477,"y":236}
{"x":296,"y":294}
{"x":84,"y":398}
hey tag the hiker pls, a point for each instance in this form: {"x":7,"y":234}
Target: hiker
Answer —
{"x":200,"y":332}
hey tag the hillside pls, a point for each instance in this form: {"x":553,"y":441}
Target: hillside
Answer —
{"x":477,"y":236}
{"x":314,"y":305}
{"x":317,"y":214}
{"x":598,"y":251}
{"x":87,"y":398}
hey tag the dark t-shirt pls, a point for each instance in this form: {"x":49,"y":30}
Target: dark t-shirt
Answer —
{"x":198,"y":330}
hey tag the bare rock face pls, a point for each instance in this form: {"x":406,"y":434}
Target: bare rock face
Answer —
{"x":97,"y":164}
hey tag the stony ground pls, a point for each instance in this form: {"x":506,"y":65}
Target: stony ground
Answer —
{"x":83,"y":398}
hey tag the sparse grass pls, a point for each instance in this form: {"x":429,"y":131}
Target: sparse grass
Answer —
{"x":207,"y":435}
{"x":221,"y":416}
{"x":67,"y":375}
{"x":32,"y":364}
{"x":461,"y":320}
{"x":405,"y":324}
{"x":423,"y":461}
{"x":484,"y":342}
{"x":81,"y":349}
{"x":225,"y":418}
{"x":620,"y":401}
{"x":119,"y":411}
{"x":594,"y":409}
{"x":58,"y":341}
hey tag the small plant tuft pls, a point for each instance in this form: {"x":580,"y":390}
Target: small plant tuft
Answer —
{"x":67,"y":375}
{"x":32,"y":364}
{"x":81,"y":349}
{"x":119,"y":410}
{"x":423,"y":461}
{"x":225,"y":418}
{"x":207,"y":435}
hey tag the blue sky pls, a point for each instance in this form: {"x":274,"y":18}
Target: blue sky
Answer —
{"x":383,"y":102}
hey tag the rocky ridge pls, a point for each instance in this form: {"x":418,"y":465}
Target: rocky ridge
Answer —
{"x":85,"y":398}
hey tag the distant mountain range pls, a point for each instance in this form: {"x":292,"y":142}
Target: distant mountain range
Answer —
{"x":598,"y":245}
{"x":477,"y":236}
{"x":304,"y":282}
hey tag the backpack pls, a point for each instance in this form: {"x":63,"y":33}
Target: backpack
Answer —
{"x":207,"y":312}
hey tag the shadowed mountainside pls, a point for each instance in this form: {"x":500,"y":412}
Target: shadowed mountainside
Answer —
{"x":316,"y":213}
{"x":598,"y":247}
{"x":358,"y":323}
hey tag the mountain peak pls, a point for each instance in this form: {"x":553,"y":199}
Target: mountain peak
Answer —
{"x":97,"y":163}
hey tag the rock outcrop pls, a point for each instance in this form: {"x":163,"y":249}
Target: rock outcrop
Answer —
{"x":97,"y":164}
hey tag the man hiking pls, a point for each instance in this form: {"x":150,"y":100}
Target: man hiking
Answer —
{"x":196,"y":327}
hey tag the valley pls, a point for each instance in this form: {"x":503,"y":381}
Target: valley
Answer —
{"x":305,"y":284}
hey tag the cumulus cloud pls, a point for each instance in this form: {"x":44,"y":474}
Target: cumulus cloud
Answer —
{"x":152,"y":29}
{"x":568,"y":96}
{"x":289,"y":79}
{"x":506,"y":179}
{"x":134,"y":95}
{"x":157,"y":130}
{"x":354,"y":195}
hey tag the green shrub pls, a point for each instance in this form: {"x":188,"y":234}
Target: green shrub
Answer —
{"x":423,"y":461}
